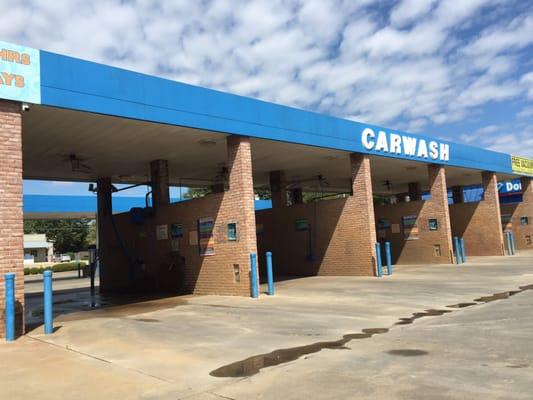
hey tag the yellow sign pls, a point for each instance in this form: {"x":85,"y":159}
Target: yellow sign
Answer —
{"x":522,"y":165}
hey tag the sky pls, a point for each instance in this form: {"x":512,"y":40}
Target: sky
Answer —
{"x":455,"y":69}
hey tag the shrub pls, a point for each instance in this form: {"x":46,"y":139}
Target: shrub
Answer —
{"x":70,"y":266}
{"x":61,"y":267}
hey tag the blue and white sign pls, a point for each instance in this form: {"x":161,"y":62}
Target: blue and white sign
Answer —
{"x":20,"y":73}
{"x":405,"y":145}
{"x":514,"y":186}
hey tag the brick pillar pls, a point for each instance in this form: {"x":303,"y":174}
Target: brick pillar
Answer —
{"x":438,"y":208}
{"x":492,"y":225}
{"x":360,"y":208}
{"x":160,"y":183}
{"x":11,"y":221}
{"x":415,"y":193}
{"x":524,"y":231}
{"x":278,"y":184}
{"x":458,"y":195}
{"x":241,"y":198}
{"x":104,"y":231}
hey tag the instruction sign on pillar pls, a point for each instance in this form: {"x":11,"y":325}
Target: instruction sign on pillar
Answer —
{"x":20,"y":73}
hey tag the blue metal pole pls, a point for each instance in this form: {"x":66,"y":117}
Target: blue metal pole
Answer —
{"x":389,"y":258}
{"x":379,"y":268}
{"x":270,"y":274}
{"x":457,"y":250}
{"x":513,"y":248}
{"x":48,"y":317}
{"x":253,"y":266}
{"x":509,"y":249}
{"x":463,"y":253}
{"x":10,"y":306}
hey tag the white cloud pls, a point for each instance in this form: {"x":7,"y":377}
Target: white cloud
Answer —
{"x":409,"y":11}
{"x":527,"y":82}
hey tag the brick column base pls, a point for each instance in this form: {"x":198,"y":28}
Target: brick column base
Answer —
{"x":11,"y":221}
{"x":438,"y":208}
{"x":360,"y":208}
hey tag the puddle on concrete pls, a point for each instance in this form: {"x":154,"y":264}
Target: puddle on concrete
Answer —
{"x":462,"y":305}
{"x":494,"y":297}
{"x":375,"y":331}
{"x":146,"y":320}
{"x":81,"y":305}
{"x":418,"y":315}
{"x":254,"y":364}
{"x":407,"y":352}
{"x":518,"y":366}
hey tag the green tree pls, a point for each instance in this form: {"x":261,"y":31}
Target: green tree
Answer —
{"x":67,"y":235}
{"x":263,"y":194}
{"x":91,"y":236}
{"x":194,"y":193}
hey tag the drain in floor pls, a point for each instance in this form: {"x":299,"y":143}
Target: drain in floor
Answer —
{"x":407,"y":352}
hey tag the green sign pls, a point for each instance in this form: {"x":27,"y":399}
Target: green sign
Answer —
{"x":302,"y":225}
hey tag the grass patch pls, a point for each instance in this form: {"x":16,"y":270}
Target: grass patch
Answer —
{"x":61,"y":267}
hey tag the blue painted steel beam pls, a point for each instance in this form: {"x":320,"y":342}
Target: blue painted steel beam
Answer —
{"x":48,"y":311}
{"x":10,"y":305}
{"x":463,"y":253}
{"x":389,"y":258}
{"x":457,"y":250}
{"x":379,"y":266}
{"x":253,"y":275}
{"x":509,"y":245}
{"x":270,"y":273}
{"x":513,"y":247}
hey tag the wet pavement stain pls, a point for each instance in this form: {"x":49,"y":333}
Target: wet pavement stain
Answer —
{"x":375,"y":331}
{"x":418,"y":315}
{"x":254,"y":364}
{"x":462,"y":305}
{"x":80,"y":305}
{"x":494,"y":297}
{"x":146,"y":320}
{"x":517,"y":366}
{"x":407,"y":352}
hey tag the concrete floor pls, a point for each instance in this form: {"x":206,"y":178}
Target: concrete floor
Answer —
{"x":167,"y":348}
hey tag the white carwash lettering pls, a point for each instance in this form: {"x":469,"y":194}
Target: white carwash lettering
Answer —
{"x":409,"y":146}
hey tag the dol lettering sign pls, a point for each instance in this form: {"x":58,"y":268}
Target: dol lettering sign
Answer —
{"x":20,"y":73}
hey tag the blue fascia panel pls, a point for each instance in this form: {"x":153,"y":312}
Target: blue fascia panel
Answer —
{"x":42,"y":203}
{"x":81,"y":85}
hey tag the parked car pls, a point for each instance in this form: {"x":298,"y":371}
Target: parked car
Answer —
{"x":65,"y":258}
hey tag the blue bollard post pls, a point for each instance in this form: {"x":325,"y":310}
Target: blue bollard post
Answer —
{"x":270,"y":274}
{"x":513,"y":247}
{"x":253,"y":275}
{"x":48,"y":317}
{"x":508,"y":239}
{"x":463,"y":253}
{"x":389,"y":258}
{"x":379,"y":268}
{"x":457,"y":250}
{"x":10,"y":306}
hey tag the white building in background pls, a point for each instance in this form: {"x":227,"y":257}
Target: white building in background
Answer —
{"x":37,"y":249}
